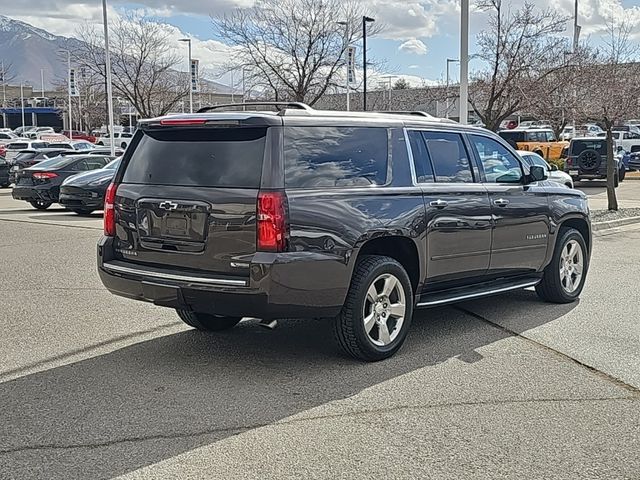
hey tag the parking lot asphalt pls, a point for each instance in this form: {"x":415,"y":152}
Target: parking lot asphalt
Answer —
{"x":96,"y":386}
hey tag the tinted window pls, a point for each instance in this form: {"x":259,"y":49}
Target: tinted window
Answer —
{"x":448,"y":156}
{"x":17,"y":146}
{"x":579,"y":146}
{"x":532,"y":159}
{"x":39,"y":145}
{"x":499,"y":165}
{"x":113,"y":165}
{"x":513,"y":136}
{"x":421,"y":160}
{"x":208,"y":157}
{"x":55,"y":163}
{"x":335,"y":156}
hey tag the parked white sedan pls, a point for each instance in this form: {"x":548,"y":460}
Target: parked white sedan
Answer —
{"x":554,"y":174}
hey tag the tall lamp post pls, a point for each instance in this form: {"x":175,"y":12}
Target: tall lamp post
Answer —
{"x":107,"y":67}
{"x":68,"y":52}
{"x":365,"y":20}
{"x":464,"y":62}
{"x":188,"y":40}
{"x":346,"y":62}
{"x":22,"y":103}
{"x":449,"y":62}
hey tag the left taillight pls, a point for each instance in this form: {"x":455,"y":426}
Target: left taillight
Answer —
{"x":109,"y":210}
{"x":273,"y":226}
{"x":44,"y":175}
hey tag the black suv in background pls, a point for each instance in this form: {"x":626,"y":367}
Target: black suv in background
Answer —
{"x":587,"y":160}
{"x":362,"y":217}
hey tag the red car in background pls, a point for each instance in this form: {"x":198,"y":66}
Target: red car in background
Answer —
{"x":78,"y":135}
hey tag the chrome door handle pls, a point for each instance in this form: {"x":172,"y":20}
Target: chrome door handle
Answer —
{"x":501,"y":202}
{"x":438,"y":203}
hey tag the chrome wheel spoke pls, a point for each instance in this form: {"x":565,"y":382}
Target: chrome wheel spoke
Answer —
{"x":372,"y":293}
{"x":383,"y":333}
{"x":369,"y":322}
{"x":572,"y":250}
{"x":390,"y":284}
{"x":397,"y":310}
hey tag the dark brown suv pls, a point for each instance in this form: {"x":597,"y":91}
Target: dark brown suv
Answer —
{"x":362,"y":217}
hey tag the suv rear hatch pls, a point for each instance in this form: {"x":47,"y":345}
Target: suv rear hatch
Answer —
{"x":186,"y":197}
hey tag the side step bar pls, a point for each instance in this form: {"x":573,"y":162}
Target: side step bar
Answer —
{"x":444,"y":297}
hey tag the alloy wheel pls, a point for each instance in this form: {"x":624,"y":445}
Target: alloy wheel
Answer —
{"x":384,"y":310}
{"x":571,"y":266}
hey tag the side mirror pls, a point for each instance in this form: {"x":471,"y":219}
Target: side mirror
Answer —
{"x":554,"y":168}
{"x":537,"y":174}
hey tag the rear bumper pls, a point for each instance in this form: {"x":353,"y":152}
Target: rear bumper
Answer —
{"x":289,"y":285}
{"x":80,"y":201}
{"x":29,"y":193}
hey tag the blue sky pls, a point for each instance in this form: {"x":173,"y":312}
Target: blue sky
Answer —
{"x":427,"y":30}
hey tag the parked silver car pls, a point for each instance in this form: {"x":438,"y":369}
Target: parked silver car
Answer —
{"x":554,"y":174}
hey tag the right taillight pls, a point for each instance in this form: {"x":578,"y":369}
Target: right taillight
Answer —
{"x":109,"y":210}
{"x":569,"y":161}
{"x":272,"y":221}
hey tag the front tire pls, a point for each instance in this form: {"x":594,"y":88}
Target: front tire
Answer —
{"x":207,"y":322}
{"x":40,"y":204}
{"x":377,"y":312}
{"x":564,"y":277}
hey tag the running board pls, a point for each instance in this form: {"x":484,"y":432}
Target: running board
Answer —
{"x":495,"y":287}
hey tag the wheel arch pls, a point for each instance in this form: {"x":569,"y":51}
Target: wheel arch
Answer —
{"x":580,"y":224}
{"x":403,"y":249}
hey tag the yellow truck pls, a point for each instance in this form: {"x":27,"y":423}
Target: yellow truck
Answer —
{"x":538,"y":140}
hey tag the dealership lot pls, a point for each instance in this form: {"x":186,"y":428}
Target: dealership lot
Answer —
{"x":95,"y":386}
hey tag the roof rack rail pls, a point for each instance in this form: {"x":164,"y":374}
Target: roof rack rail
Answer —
{"x":243,"y":106}
{"x":417,"y":113}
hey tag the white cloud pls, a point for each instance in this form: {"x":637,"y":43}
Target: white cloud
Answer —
{"x":413,"y":67}
{"x":414,"y":46}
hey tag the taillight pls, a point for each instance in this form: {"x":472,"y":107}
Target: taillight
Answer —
{"x":44,"y":175}
{"x":272,"y":221}
{"x":182,"y":122}
{"x":109,"y":210}
{"x":569,"y":161}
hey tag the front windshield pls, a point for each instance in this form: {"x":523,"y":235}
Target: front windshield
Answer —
{"x":114,"y":164}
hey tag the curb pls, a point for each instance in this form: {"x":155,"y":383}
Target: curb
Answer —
{"x":599,"y":226}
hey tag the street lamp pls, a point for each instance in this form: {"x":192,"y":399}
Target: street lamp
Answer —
{"x":365,"y":20}
{"x":107,"y":67}
{"x":346,"y":63}
{"x":464,"y":62}
{"x":449,"y":62}
{"x":68,"y":90}
{"x":188,"y":40}
{"x":22,"y":103}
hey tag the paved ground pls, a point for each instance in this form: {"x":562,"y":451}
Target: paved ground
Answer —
{"x":94,"y":386}
{"x":628,"y":193}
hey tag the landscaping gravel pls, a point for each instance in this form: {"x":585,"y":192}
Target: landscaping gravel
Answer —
{"x":609,"y":215}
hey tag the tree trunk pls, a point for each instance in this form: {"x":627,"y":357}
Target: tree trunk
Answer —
{"x":611,"y":170}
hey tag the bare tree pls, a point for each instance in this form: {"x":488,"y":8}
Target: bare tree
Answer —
{"x":144,"y":70}
{"x":609,"y":89}
{"x":6,"y":75}
{"x":294,"y":48}
{"x":519,"y":50}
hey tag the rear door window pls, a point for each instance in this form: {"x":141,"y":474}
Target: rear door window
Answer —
{"x":421,"y":160}
{"x":449,"y":157}
{"x":205,"y":157}
{"x":335,"y":156}
{"x":17,"y":146}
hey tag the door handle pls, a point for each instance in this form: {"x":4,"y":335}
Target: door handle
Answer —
{"x":438,"y":203}
{"x":501,"y":202}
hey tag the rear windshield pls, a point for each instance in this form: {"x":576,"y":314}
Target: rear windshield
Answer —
{"x":335,"y":156}
{"x":206,"y":157}
{"x":55,"y":163}
{"x":579,"y":146}
{"x":17,"y":146}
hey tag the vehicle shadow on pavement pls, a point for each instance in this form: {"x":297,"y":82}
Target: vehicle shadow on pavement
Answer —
{"x":115,"y":413}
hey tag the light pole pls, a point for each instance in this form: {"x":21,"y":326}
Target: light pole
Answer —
{"x":42,"y":80}
{"x":365,"y":20}
{"x":68,"y":91}
{"x":22,"y":103}
{"x":188,"y":40}
{"x":449,"y":62}
{"x":107,"y":67}
{"x":464,"y":62}
{"x":346,"y":63}
{"x":4,"y":86}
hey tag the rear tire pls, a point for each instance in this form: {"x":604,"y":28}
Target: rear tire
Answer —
{"x":564,"y":277}
{"x":207,"y":322}
{"x":40,"y":204}
{"x":377,"y":312}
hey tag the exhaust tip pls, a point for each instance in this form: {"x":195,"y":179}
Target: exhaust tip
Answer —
{"x":269,"y":324}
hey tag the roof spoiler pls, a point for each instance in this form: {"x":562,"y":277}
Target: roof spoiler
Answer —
{"x":281,"y":106}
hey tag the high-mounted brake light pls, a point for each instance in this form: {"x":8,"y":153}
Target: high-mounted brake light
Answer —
{"x":272,"y":222}
{"x":109,"y":210}
{"x":44,"y":175}
{"x":182,"y":121}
